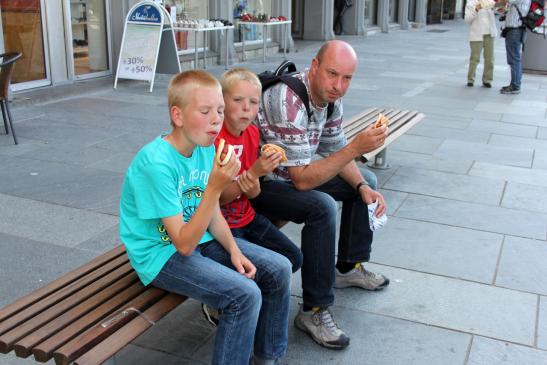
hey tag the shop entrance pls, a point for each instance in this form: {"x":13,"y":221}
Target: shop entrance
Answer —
{"x":22,"y":29}
{"x":89,"y":38}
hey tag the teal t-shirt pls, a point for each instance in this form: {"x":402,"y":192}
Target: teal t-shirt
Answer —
{"x":160,"y":182}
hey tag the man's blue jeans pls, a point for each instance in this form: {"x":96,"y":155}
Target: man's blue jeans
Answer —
{"x":514,"y":41}
{"x":252,"y":311}
{"x":263,"y":233}
{"x":317,"y":209}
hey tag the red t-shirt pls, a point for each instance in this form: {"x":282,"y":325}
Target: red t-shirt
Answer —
{"x":239,"y":212}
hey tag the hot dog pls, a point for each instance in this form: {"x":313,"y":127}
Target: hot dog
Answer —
{"x":382,"y":120}
{"x":269,"y":146}
{"x":224,"y":152}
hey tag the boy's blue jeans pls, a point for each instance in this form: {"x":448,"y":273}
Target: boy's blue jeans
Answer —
{"x":252,"y":311}
{"x":514,"y":40}
{"x":317,"y":209}
{"x":263,"y":233}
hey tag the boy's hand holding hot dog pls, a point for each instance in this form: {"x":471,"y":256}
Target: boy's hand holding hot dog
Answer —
{"x":268,"y":161}
{"x":225,"y":169}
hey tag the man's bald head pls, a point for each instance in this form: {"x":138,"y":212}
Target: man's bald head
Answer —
{"x":331,"y":71}
{"x":336,"y":49}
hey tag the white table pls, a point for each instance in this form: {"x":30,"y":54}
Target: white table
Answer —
{"x":265,"y":25}
{"x":204,"y":30}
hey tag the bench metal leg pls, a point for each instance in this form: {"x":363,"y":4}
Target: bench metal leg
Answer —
{"x":380,"y":161}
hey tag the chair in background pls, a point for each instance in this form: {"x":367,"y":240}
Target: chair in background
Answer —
{"x":6,"y":71}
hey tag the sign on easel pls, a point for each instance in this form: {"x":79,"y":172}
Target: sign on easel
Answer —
{"x":148,"y":44}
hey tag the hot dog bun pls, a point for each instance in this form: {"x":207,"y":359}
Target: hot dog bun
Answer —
{"x":382,"y":120}
{"x":224,"y":152}
{"x":269,"y":146}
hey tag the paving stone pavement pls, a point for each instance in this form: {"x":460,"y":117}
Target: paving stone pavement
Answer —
{"x":466,"y":241}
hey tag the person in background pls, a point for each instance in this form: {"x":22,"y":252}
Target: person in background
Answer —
{"x":479,"y":14}
{"x":515,"y":36}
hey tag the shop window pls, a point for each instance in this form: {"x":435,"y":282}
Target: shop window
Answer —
{"x":89,"y":36}
{"x":258,"y":9}
{"x":189,"y":10}
{"x":21,"y":31}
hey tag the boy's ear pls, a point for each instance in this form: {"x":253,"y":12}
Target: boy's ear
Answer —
{"x":176,"y":116}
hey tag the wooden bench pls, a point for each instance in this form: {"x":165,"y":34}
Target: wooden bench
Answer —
{"x":85,"y":316}
{"x":400,"y":121}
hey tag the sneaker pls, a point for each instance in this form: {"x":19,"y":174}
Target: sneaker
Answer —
{"x":509,"y":90}
{"x":362,"y":278}
{"x":211,"y":314}
{"x":470,"y":84}
{"x":320,"y":325}
{"x":487,"y":85}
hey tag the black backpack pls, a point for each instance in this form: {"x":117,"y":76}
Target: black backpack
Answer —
{"x":285,"y":73}
{"x":535,"y":16}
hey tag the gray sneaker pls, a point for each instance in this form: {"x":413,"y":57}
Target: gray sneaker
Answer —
{"x":320,"y":325}
{"x":361,"y":278}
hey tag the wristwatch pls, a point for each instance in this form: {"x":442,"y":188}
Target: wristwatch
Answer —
{"x":361,"y":183}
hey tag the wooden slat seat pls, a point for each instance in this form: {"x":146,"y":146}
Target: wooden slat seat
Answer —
{"x":75,"y":316}
{"x":400,"y":121}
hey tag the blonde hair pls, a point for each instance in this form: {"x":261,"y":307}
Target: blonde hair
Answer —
{"x":230,"y":77}
{"x":183,"y":84}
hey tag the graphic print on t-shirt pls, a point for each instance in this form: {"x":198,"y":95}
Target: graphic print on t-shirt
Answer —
{"x":190,"y":199}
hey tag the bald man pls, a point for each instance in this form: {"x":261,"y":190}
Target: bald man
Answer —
{"x":305,"y":189}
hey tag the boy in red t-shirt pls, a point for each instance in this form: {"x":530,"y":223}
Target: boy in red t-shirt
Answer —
{"x":242,"y":89}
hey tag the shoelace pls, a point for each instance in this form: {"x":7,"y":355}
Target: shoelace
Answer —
{"x":326,"y":318}
{"x":367,"y":273}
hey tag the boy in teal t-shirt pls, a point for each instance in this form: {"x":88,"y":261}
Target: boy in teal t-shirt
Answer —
{"x":177,"y":239}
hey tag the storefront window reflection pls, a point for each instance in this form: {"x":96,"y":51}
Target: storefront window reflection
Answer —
{"x":194,"y":10}
{"x":257,"y":9}
{"x":89,"y":36}
{"x":21,"y":31}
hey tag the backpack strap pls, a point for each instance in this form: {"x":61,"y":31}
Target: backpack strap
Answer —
{"x":330,"y":110}
{"x":300,"y":90}
{"x":285,"y":65}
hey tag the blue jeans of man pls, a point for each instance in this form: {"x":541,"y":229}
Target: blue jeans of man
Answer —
{"x":514,"y":41}
{"x":252,"y":311}
{"x":317,"y":209}
{"x":263,"y":233}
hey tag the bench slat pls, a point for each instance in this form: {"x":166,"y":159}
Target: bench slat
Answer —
{"x":44,"y":351}
{"x":90,"y":338}
{"x":357,"y":124}
{"x":123,"y":336}
{"x":50,"y":312}
{"x":56,"y":297}
{"x":64,"y":280}
{"x":393,"y":136}
{"x":23,"y":347}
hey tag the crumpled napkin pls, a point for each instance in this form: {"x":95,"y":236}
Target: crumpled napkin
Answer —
{"x":374,"y":221}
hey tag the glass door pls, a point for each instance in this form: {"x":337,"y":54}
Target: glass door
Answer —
{"x":22,"y":30}
{"x":89,"y":42}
